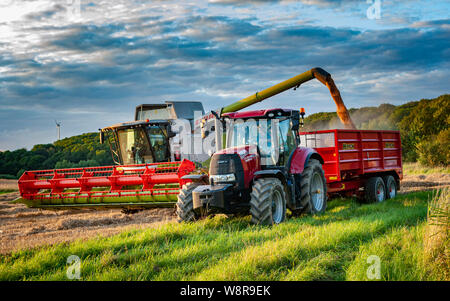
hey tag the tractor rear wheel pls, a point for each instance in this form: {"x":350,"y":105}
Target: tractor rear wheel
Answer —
{"x":185,"y":205}
{"x":375,"y":190}
{"x":313,"y":189}
{"x":268,"y":202}
{"x":391,"y":187}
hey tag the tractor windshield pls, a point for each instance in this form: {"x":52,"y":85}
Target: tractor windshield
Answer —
{"x":134,"y":146}
{"x":274,"y":138}
{"x":246,"y":133}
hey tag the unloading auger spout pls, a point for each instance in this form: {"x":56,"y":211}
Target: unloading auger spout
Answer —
{"x":294,"y":82}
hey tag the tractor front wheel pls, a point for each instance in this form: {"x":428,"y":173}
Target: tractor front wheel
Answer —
{"x":268,"y":202}
{"x":185,"y":204}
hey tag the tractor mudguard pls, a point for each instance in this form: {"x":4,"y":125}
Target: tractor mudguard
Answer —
{"x":274,"y":173}
{"x":196,"y":178}
{"x":300,"y":157}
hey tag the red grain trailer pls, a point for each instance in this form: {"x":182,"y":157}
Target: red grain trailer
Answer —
{"x":355,"y":159}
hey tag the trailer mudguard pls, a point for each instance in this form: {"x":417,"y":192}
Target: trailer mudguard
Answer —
{"x":300,"y":157}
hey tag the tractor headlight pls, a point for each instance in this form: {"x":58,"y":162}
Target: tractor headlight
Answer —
{"x":222,"y":178}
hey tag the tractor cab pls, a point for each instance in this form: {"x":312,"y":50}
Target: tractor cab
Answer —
{"x":260,"y":170}
{"x":273,"y":134}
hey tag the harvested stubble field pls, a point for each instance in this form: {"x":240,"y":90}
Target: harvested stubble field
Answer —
{"x":22,"y":227}
{"x":150,"y":245}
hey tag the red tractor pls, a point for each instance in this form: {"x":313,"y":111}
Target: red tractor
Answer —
{"x":260,"y":177}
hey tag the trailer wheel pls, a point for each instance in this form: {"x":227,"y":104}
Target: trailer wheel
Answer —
{"x":391,"y":187}
{"x":268,"y":202}
{"x":185,"y":205}
{"x":313,"y":189}
{"x":375,"y":190}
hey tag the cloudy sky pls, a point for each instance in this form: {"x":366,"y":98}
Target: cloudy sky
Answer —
{"x":88,"y":63}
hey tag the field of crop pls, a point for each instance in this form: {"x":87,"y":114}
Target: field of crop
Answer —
{"x":149,"y":245}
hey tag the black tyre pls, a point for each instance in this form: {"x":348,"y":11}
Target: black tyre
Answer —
{"x":268,"y":202}
{"x":391,"y":187}
{"x":313,"y":189}
{"x":185,"y":205}
{"x":375,"y":190}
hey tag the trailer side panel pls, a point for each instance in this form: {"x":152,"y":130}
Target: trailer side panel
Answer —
{"x":351,"y":156}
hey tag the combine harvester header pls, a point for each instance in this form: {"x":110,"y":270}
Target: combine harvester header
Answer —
{"x":134,"y":186}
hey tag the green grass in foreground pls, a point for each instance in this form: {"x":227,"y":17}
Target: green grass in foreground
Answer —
{"x":7,"y":190}
{"x":333,"y":246}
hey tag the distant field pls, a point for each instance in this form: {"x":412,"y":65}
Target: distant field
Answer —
{"x":418,"y":169}
{"x":333,"y":246}
{"x":6,"y":191}
{"x":8,"y":185}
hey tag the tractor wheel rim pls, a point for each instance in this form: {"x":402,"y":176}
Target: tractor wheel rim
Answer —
{"x":380,"y":193}
{"x":392,"y":190}
{"x":317,"y":192}
{"x":277,"y":207}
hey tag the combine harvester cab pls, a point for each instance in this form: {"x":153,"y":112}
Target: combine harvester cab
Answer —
{"x":127,"y":186}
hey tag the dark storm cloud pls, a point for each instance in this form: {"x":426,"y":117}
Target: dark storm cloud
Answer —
{"x":38,"y":16}
{"x":6,"y":60}
{"x":217,"y":47}
{"x":432,"y":23}
{"x":307,"y":2}
{"x":90,"y":37}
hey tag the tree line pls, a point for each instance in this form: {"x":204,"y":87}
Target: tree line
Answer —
{"x":423,"y":125}
{"x":77,"y":151}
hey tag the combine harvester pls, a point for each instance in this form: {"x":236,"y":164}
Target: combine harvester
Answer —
{"x":233,"y":177}
{"x":148,"y":171}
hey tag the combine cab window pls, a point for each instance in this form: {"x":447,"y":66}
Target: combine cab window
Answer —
{"x":158,"y":140}
{"x":134,"y":146}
